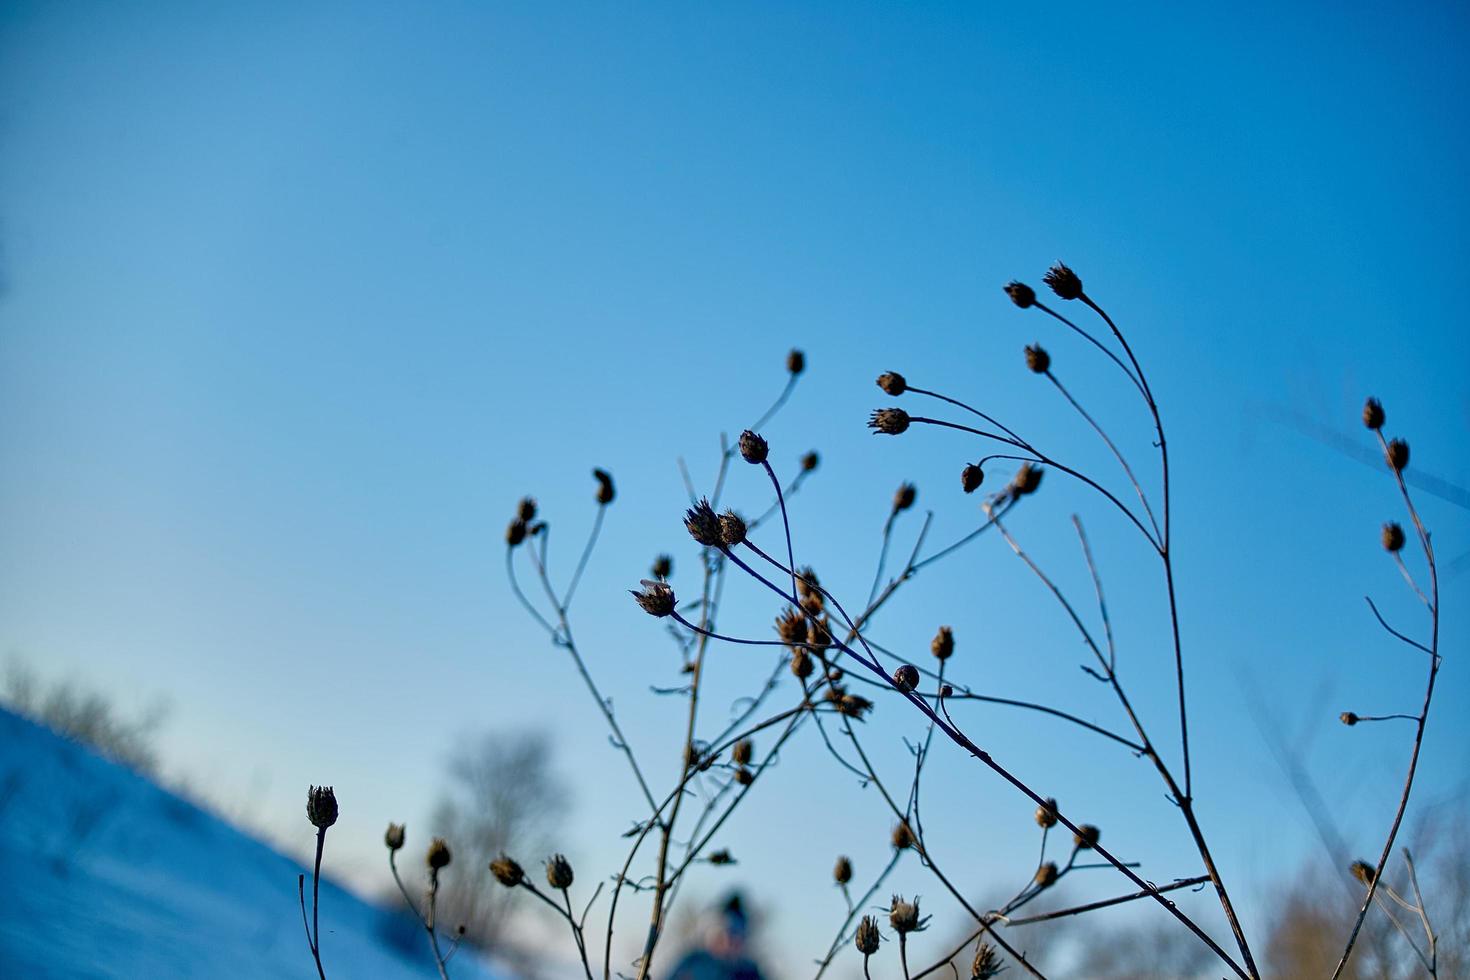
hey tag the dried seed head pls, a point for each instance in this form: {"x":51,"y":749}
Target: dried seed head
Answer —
{"x":810,"y":460}
{"x":987,"y":964}
{"x":656,"y":599}
{"x":904,"y":497}
{"x":902,"y":836}
{"x":819,"y":633}
{"x":1373,"y":413}
{"x":1027,"y":479}
{"x":1393,"y":536}
{"x":1037,"y":359}
{"x":321,"y":807}
{"x":1363,"y":871}
{"x":807,"y":583}
{"x":942,"y":646}
{"x":663,"y":566}
{"x":1020,"y":293}
{"x":393,"y":837}
{"x":703,"y":524}
{"x":791,"y":626}
{"x":753,"y":449}
{"x":854,"y":706}
{"x":1063,"y":281}
{"x":1086,"y":837}
{"x":526,"y":509}
{"x":507,"y":871}
{"x":438,"y":854}
{"x":867,"y":938}
{"x":834,"y":673}
{"x":842,"y":870}
{"x":1046,"y":875}
{"x":559,"y":872}
{"x":906,"y":678}
{"x":732,"y":528}
{"x":744,"y":776}
{"x":802,"y":664}
{"x":1348,"y":718}
{"x":904,"y":915}
{"x":971,"y":477}
{"x":889,"y":421}
{"x":1398,"y":455}
{"x":893,"y":383}
{"x":516,"y":532}
{"x":946,"y":690}
{"x":795,"y":361}
{"x":722,"y":856}
{"x":605,"y":492}
{"x":1046,"y":814}
{"x":743,"y":751}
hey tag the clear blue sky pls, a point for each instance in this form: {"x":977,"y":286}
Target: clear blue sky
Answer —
{"x":299,"y":299}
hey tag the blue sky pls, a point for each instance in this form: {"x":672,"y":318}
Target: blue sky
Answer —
{"x":298,"y":300}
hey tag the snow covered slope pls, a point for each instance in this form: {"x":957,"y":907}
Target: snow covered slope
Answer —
{"x":104,"y":874}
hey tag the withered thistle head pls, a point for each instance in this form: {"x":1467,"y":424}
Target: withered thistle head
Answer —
{"x":663,"y":566}
{"x":1046,"y":814}
{"x":703,"y":524}
{"x":791,"y":626}
{"x":1037,"y":359}
{"x":904,"y":497}
{"x":321,"y":807}
{"x":1398,"y":455}
{"x":1373,"y":413}
{"x":802,"y":664}
{"x":867,"y":937}
{"x":906,"y":677}
{"x":1063,"y":281}
{"x":393,"y":836}
{"x":605,"y":492}
{"x":819,"y":633}
{"x":807,"y":583}
{"x":1086,"y":837}
{"x":559,"y":872}
{"x":526,"y":509}
{"x":656,"y":598}
{"x":732,"y":528}
{"x":1027,"y":479}
{"x":810,"y":460}
{"x":438,"y":854}
{"x":795,"y":361}
{"x":971,"y":477}
{"x":507,"y":871}
{"x":1349,"y":718}
{"x":854,"y":706}
{"x":1021,"y":294}
{"x":1363,"y":871}
{"x":893,"y":383}
{"x":902,"y":836}
{"x":1393,"y":536}
{"x":942,"y":646}
{"x":1046,"y":875}
{"x":753,"y":449}
{"x":515,"y":533}
{"x":987,"y":964}
{"x":889,"y":421}
{"x":742,"y":752}
{"x":903,"y":915}
{"x":842,"y":870}
{"x":744,"y":776}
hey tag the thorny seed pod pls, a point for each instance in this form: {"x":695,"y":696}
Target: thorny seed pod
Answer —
{"x":1393,"y":536}
{"x":742,"y":752}
{"x":902,"y":836}
{"x":810,"y":460}
{"x":1037,"y":359}
{"x":656,"y":599}
{"x":1020,"y":293}
{"x":1373,"y":413}
{"x":438,"y":854}
{"x":795,"y":361}
{"x":867,"y":937}
{"x":703,"y":524}
{"x":559,"y":872}
{"x":507,"y":871}
{"x":1349,"y":718}
{"x":893,"y":383}
{"x":904,"y":915}
{"x":1363,"y":871}
{"x":942,"y":646}
{"x":1087,"y":836}
{"x":1046,"y":814}
{"x":1398,"y":455}
{"x":732,"y":528}
{"x":906,"y":678}
{"x":605,"y":492}
{"x":791,"y":626}
{"x":663,"y":567}
{"x":526,"y":509}
{"x":1063,"y":281}
{"x":393,"y":837}
{"x":321,"y":807}
{"x":516,"y":532}
{"x":986,"y":965}
{"x":1027,"y":479}
{"x":722,"y":856}
{"x":971,"y":477}
{"x":1046,"y":875}
{"x":802,"y":664}
{"x":753,"y":449}
{"x":889,"y":421}
{"x":744,"y":776}
{"x":904,"y":497}
{"x":854,"y":706}
{"x":842,"y":870}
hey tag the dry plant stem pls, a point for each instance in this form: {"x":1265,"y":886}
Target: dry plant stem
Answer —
{"x":567,"y":914}
{"x":1094,"y":341}
{"x":1117,"y":454}
{"x":427,"y":923}
{"x":586,"y":556}
{"x":1434,"y":661}
{"x":1014,"y":438}
{"x":842,"y":937}
{"x":903,"y":953}
{"x":1423,"y":915}
{"x":313,"y":932}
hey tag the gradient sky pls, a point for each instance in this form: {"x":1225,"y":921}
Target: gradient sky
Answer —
{"x":297,"y":300}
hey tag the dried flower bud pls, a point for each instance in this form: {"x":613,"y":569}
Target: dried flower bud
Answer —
{"x":507,"y":871}
{"x":842,"y":870}
{"x":1398,"y":455}
{"x":795,"y":361}
{"x":942,"y":646}
{"x":1373,"y":413}
{"x":904,"y":915}
{"x":1063,"y":281}
{"x":1020,"y":293}
{"x":946,"y":690}
{"x":889,"y":421}
{"x":819,"y":633}
{"x":703,"y":524}
{"x":810,"y":460}
{"x":732,"y":528}
{"x":1027,"y":479}
{"x":971,"y":477}
{"x":656,"y":599}
{"x":987,"y":964}
{"x":902,"y":836}
{"x":834,"y":673}
{"x":906,"y":678}
{"x":1393,"y":536}
{"x":321,"y":807}
{"x":802,"y":664}
{"x":605,"y":492}
{"x":559,"y":872}
{"x":753,"y":449}
{"x":438,"y":854}
{"x":904,"y":497}
{"x":744,"y":776}
{"x":867,"y":937}
{"x":893,"y":383}
{"x":1349,"y":718}
{"x":1363,"y":871}
{"x":1037,"y":359}
{"x":393,"y":837}
{"x":1046,"y":814}
{"x":526,"y":509}
{"x":791,"y":626}
{"x":1046,"y":875}
{"x":721,"y":857}
{"x":742,"y":752}
{"x":854,"y":706}
{"x":516,"y":532}
{"x":663,"y":566}
{"x":1086,"y":837}
{"x":807,"y":583}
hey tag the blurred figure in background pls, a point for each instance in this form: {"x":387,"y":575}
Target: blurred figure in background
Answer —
{"x":723,"y":956}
